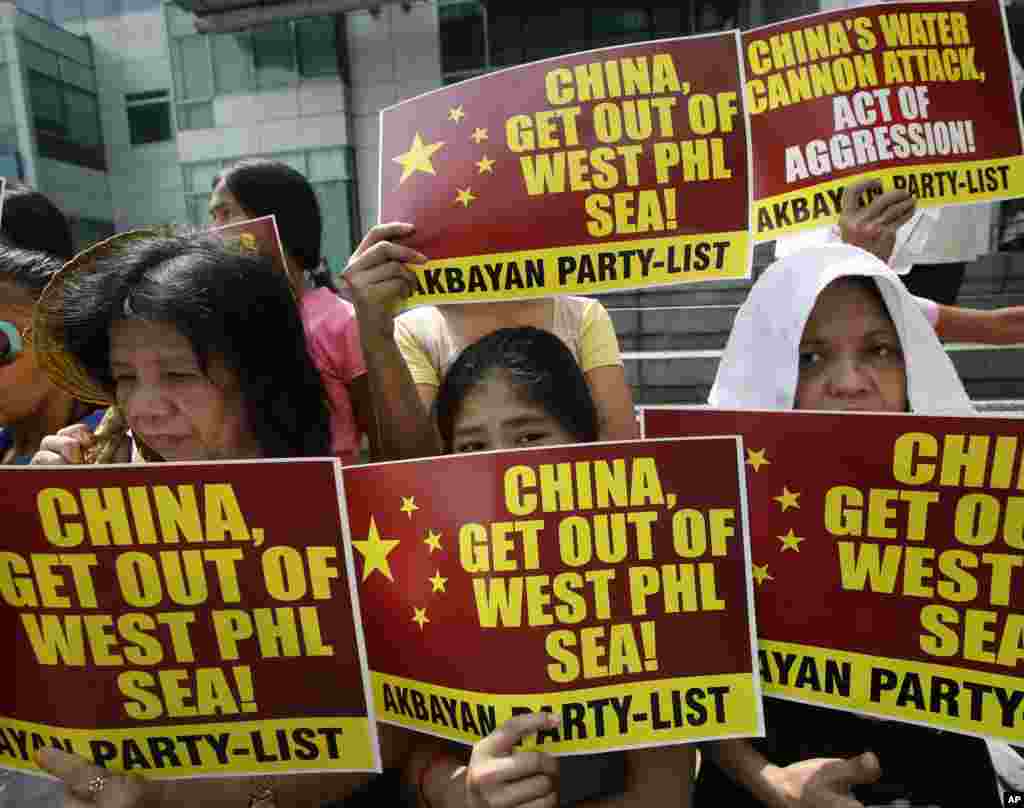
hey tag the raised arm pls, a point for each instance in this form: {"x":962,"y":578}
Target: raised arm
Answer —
{"x":378,"y":280}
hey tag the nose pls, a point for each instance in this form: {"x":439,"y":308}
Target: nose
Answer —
{"x":848,"y":377}
{"x":146,"y":404}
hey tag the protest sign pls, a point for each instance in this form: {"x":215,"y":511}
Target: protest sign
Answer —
{"x":162,"y":614}
{"x":606,"y":583}
{"x":600,"y":171}
{"x":258,"y":236}
{"x":888,"y":557}
{"x":918,"y":94}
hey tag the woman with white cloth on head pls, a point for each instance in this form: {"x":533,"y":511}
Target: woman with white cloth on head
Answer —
{"x":833,"y":328}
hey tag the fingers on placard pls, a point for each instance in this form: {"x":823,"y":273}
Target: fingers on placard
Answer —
{"x":505,"y":738}
{"x":851,"y":199}
{"x":383,"y":232}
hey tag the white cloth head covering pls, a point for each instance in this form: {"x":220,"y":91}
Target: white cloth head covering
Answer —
{"x":759,"y":366}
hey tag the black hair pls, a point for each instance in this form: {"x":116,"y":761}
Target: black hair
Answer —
{"x":236,"y":306}
{"x":265,"y":187}
{"x":27,"y":269}
{"x":537,"y":364}
{"x":33,"y":222}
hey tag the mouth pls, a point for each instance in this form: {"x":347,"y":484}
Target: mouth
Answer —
{"x":163,"y":443}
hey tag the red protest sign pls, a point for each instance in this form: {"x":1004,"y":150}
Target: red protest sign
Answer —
{"x":258,"y":236}
{"x":604,"y":582}
{"x":186,"y":602}
{"x":918,"y":94}
{"x":603,"y":170}
{"x":888,"y":557}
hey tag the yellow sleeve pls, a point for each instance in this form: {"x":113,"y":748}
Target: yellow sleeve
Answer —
{"x":415,"y":353}
{"x":598,"y":344}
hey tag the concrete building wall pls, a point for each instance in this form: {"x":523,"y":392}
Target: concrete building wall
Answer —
{"x":132,"y":57}
{"x":393,"y":55}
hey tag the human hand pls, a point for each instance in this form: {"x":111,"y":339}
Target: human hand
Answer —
{"x":873,"y":226}
{"x":825,"y":782}
{"x":376,"y":277}
{"x":500,"y":777}
{"x":67,"y":447}
{"x":87,"y":785}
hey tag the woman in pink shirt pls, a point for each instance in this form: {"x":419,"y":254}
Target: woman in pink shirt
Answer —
{"x":254,"y":188}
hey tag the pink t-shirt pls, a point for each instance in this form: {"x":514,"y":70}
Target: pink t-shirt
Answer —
{"x":332,"y":334}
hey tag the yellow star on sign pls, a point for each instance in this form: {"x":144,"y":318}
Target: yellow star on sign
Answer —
{"x":433,"y":540}
{"x":791,"y":541}
{"x":465,"y":197}
{"x":485,"y":165}
{"x":761,"y":574}
{"x":756,"y":459}
{"x":479,"y":135}
{"x":456,"y":114}
{"x":420,"y":617}
{"x":417,"y":158}
{"x":375,"y":551}
{"x":788,"y":499}
{"x":437,"y":582}
{"x":409,"y":505}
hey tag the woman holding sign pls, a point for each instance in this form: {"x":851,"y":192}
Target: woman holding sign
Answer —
{"x":517,"y":388}
{"x":430,"y":337}
{"x":174,"y":331}
{"x":833,"y":328}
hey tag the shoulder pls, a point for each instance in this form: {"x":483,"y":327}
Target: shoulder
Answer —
{"x":424,"y":325}
{"x":323,"y":312}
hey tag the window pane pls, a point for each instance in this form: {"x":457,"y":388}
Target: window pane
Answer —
{"x":462,"y":36}
{"x":47,"y":104}
{"x":554,"y":32}
{"x":150,"y":123}
{"x":193,"y":68}
{"x":273,"y":52}
{"x":618,"y":21}
{"x":318,"y":53}
{"x":83,"y":117}
{"x":39,"y":59}
{"x":336,"y":210}
{"x":671,"y":21}
{"x":77,"y":74}
{"x":506,"y":32}
{"x":231,"y":57}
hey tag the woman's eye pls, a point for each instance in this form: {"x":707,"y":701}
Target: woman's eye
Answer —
{"x":123,"y":378}
{"x":887,"y":352}
{"x":530,"y":437}
{"x":809,"y":359}
{"x":180,"y":376}
{"x":471,"y":446}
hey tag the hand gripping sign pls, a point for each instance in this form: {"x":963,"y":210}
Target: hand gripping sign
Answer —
{"x":600,"y":171}
{"x":162,"y":614}
{"x":888,"y":555}
{"x":606,"y":583}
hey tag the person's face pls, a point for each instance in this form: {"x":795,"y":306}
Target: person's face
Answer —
{"x":224,"y":208}
{"x":24,"y":386}
{"x":850,"y":354}
{"x":493,"y":416}
{"x":177,"y":409}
